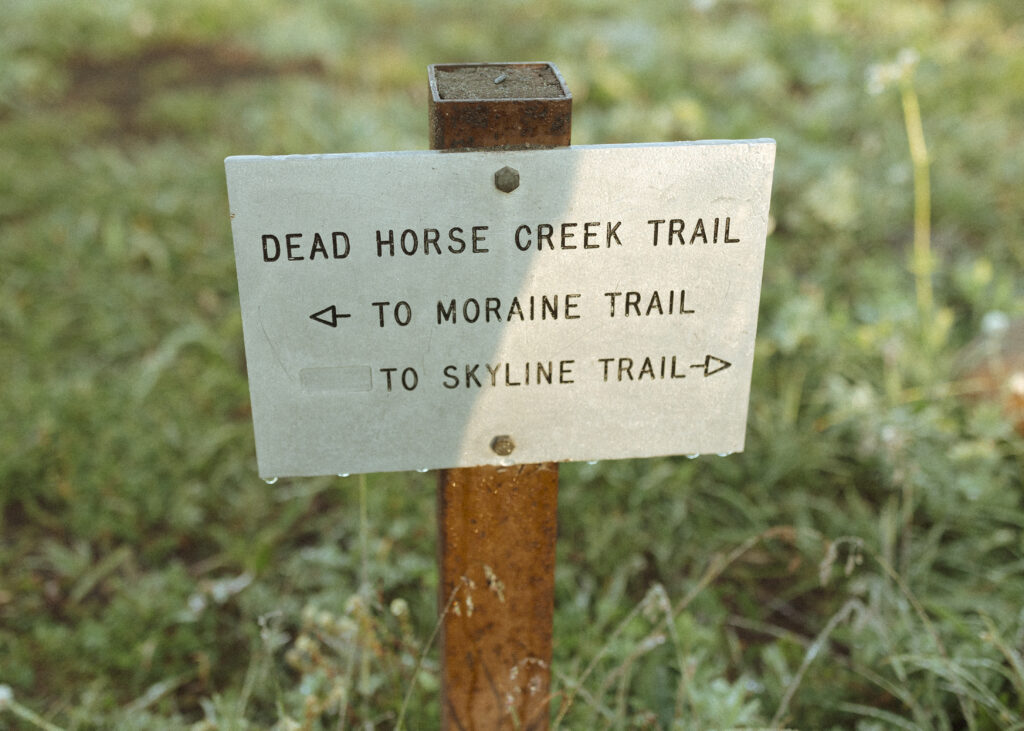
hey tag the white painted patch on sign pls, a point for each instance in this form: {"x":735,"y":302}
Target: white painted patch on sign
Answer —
{"x":400,"y":311}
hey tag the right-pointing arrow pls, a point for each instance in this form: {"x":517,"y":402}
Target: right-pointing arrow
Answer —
{"x":712,"y":365}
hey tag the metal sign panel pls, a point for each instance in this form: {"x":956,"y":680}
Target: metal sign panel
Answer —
{"x":434,"y":309}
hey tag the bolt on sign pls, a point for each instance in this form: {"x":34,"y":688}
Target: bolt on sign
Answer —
{"x":417,"y":310}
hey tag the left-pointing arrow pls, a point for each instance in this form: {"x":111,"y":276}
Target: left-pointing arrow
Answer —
{"x":329,"y":316}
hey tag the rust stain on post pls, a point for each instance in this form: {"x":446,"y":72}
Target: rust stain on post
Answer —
{"x":497,"y":525}
{"x":498,"y":528}
{"x":530,"y":108}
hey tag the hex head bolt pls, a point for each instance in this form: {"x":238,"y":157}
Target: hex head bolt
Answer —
{"x":507,"y":179}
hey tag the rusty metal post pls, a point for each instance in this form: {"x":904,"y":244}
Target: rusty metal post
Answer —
{"x":497,"y":525}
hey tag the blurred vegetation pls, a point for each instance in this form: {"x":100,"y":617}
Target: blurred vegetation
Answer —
{"x":861,"y":565}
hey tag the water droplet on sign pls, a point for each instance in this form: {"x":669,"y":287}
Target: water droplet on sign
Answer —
{"x":270,"y":480}
{"x":724,"y":454}
{"x":592,"y":461}
{"x":343,"y":474}
{"x":425,"y":469}
{"x":692,"y":456}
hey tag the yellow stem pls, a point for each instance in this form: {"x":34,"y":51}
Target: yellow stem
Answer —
{"x":922,"y":263}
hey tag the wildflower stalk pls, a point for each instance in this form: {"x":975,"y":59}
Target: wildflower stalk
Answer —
{"x":922,"y":262}
{"x":364,"y":539}
{"x":901,"y":73}
{"x":364,"y":587}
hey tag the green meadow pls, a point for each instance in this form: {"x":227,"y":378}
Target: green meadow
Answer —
{"x":859,"y":566}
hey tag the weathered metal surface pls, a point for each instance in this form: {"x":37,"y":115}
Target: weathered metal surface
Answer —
{"x":602,"y":308}
{"x":497,"y":562}
{"x":498,"y":106}
{"x":496,"y":525}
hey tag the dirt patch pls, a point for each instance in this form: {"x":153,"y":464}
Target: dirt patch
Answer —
{"x":123,"y":84}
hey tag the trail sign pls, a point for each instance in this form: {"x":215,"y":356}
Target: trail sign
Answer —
{"x":429,"y":310}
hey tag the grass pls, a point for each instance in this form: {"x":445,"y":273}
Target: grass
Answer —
{"x":861,"y":565}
